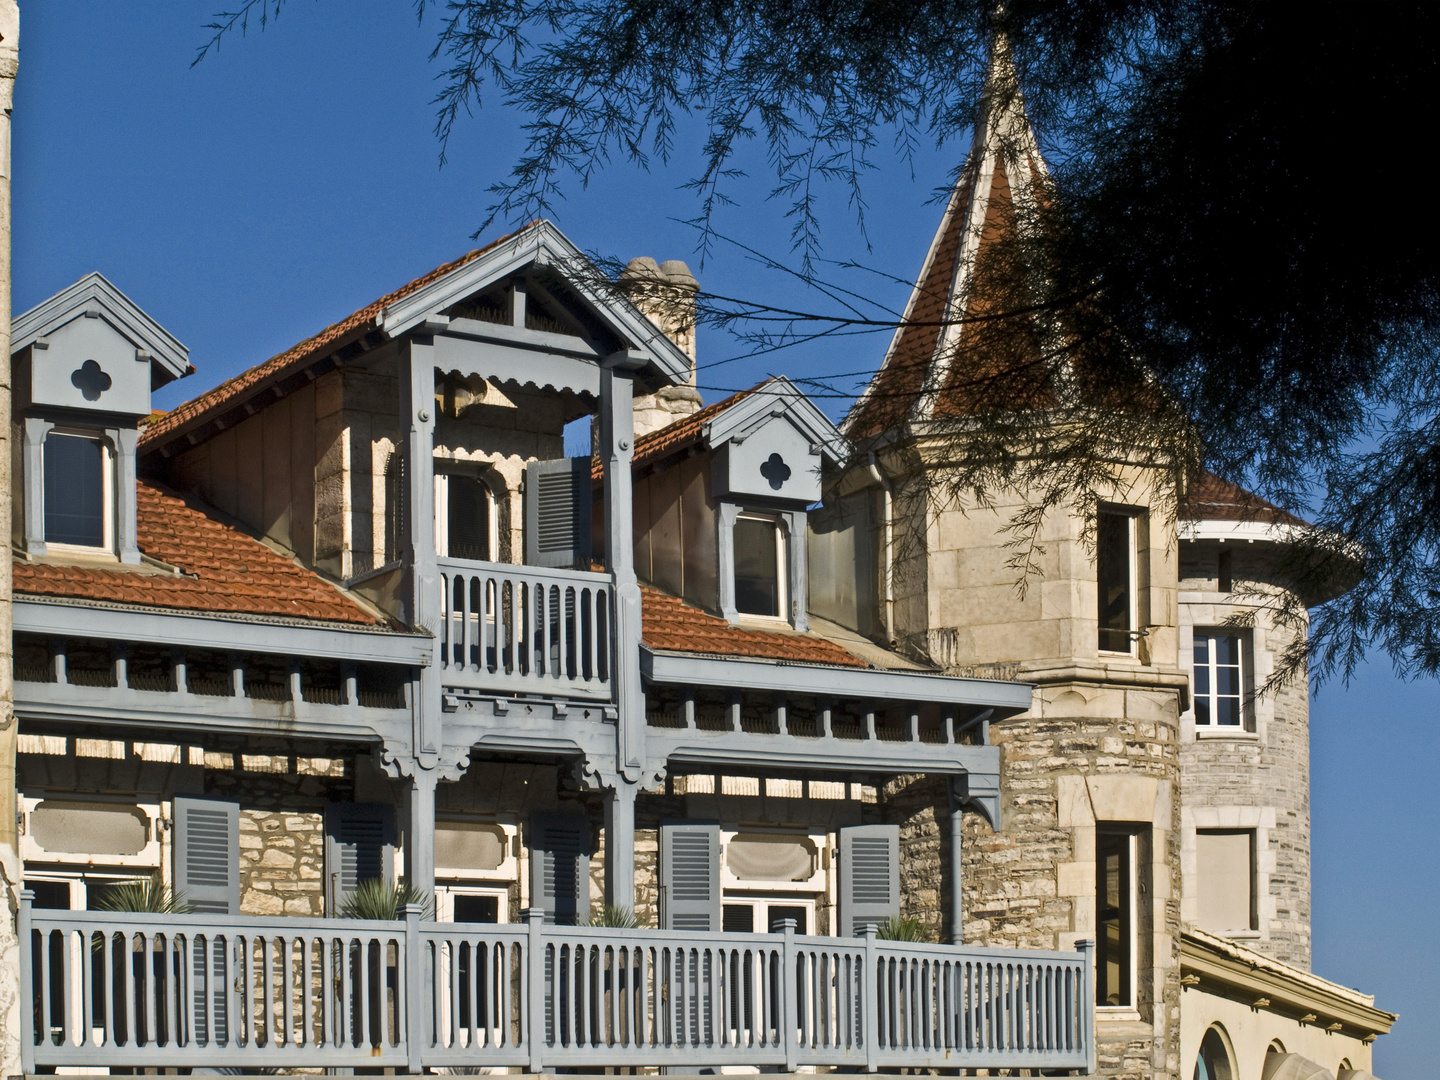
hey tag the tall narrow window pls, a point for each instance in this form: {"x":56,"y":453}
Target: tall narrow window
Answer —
{"x":1115,"y":573}
{"x":394,"y":506}
{"x":77,"y":496}
{"x":1219,"y":680}
{"x":1225,"y":572}
{"x":1115,"y":916}
{"x":760,"y":569}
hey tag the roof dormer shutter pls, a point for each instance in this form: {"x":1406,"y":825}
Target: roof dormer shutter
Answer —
{"x":869,"y":876}
{"x":690,"y":876}
{"x":557,"y":513}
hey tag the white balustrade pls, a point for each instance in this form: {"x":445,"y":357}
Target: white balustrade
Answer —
{"x":143,"y":991}
{"x":526,"y":630}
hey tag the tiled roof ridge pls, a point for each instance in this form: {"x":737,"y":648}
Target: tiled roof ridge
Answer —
{"x":1210,"y":497}
{"x":158,"y":427}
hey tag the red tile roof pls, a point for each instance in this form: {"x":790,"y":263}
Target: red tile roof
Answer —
{"x":675,"y":626}
{"x":1209,"y":498}
{"x":226,"y":570}
{"x":296,"y":357}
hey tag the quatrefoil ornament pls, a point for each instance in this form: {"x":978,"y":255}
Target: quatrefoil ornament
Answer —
{"x":91,"y":380}
{"x":776,"y":471}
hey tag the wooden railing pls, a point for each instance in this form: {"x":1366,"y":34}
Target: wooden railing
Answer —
{"x":140,"y":991}
{"x":526,"y":630}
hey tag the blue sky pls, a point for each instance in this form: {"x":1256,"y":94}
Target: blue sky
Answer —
{"x":293,"y":177}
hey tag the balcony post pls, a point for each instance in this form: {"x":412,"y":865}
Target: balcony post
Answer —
{"x":417,"y":426}
{"x":420,"y":830}
{"x":534,"y":1028}
{"x":26,"y":1034}
{"x":617,"y":450}
{"x":620,"y":844}
{"x":957,"y":851}
{"x":1086,"y":948}
{"x":417,"y":999}
{"x":870,"y":1006}
{"x":790,"y":1003}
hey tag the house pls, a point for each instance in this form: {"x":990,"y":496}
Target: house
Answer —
{"x":353,"y":616}
{"x":674,"y":739}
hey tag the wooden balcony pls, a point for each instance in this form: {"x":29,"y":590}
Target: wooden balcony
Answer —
{"x":509,"y":630}
{"x":248,"y":994}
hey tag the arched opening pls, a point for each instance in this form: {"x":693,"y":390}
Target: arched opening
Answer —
{"x":1214,"y":1062}
{"x":1274,"y":1058}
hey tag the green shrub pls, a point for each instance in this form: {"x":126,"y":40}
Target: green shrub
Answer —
{"x":144,"y":894}
{"x":384,"y":900}
{"x":620,"y":917}
{"x":902,"y":928}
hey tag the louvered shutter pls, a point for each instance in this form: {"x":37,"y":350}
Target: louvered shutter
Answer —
{"x":207,"y":854}
{"x":690,"y":876}
{"x":359,"y":846}
{"x":560,"y":867}
{"x":557,"y":513}
{"x":869,"y":876}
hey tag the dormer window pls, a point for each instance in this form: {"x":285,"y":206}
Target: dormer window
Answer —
{"x":761,"y":566}
{"x":79,"y":491}
{"x":465,"y":520}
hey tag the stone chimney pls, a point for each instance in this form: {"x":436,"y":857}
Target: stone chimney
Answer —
{"x":665,"y":293}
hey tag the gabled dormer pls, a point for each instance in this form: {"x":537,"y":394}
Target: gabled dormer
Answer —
{"x":85,"y":362}
{"x":721,"y":500}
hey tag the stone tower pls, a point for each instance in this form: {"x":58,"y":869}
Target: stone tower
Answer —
{"x":1088,"y":845}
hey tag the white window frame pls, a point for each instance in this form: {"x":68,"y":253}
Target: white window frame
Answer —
{"x":446,"y":893}
{"x":442,"y":510}
{"x":148,"y":858}
{"x":508,"y":872}
{"x":757,"y":903}
{"x":1247,"y":719}
{"x":782,"y":568}
{"x":815,"y":883}
{"x":1133,"y":899}
{"x":1133,"y":571}
{"x":107,"y":487}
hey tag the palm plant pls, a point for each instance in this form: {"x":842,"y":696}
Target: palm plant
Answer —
{"x":143,"y":894}
{"x":902,"y":928}
{"x":384,"y":900}
{"x":621,"y":918}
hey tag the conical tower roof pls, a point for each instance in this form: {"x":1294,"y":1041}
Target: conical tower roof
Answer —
{"x":960,"y":347}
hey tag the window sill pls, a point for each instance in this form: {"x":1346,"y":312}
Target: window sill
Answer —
{"x":1237,"y":735}
{"x":1237,"y":935}
{"x":1116,"y":1014}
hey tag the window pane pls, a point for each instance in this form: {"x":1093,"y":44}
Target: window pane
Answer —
{"x":481,"y":909}
{"x":1227,"y":711}
{"x":469,"y":518}
{"x":1112,"y":553}
{"x":1227,"y":650}
{"x":74,"y":491}
{"x":757,"y":585}
{"x":738,"y":919}
{"x":1114,"y":906}
{"x":788,"y":911}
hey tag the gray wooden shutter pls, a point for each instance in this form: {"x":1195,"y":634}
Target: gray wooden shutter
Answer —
{"x":689,"y":875}
{"x":560,"y":867}
{"x":869,"y":876}
{"x":359,"y":846}
{"x":557,"y":513}
{"x":207,"y":854}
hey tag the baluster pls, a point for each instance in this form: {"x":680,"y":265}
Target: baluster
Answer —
{"x":266,"y":1028}
{"x":87,"y":979}
{"x":169,"y":988}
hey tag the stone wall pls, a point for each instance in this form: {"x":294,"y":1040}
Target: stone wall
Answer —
{"x":1257,"y":780}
